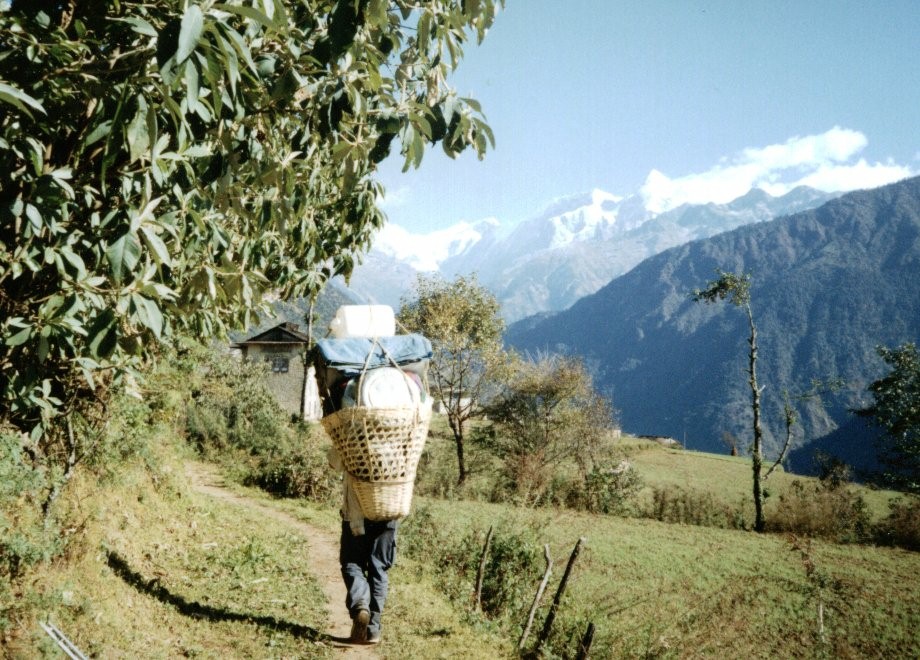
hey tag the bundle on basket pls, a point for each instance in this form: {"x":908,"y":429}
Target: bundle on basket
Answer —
{"x":377,"y":411}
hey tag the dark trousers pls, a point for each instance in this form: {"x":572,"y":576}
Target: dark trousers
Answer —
{"x":365,"y":561}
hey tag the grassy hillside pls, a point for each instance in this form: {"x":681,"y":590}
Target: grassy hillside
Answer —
{"x":654,"y":589}
{"x":726,"y":478}
{"x":155,"y":568}
{"x":161,"y":571}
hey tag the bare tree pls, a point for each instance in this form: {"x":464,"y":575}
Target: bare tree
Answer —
{"x":737,"y":289}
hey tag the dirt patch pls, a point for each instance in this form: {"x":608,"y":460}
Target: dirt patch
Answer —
{"x":324,"y":556}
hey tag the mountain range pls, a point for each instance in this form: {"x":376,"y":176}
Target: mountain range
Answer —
{"x":570,"y":250}
{"x":829,"y":285}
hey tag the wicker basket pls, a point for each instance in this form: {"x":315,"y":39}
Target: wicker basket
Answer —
{"x":384,"y":501}
{"x":380,"y":448}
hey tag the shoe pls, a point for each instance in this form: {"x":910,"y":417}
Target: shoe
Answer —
{"x":359,"y":626}
{"x":373,"y":637}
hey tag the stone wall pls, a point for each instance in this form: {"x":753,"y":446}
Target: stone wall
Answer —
{"x":286,"y":376}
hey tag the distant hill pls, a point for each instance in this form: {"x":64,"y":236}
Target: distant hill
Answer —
{"x":829,"y":285}
{"x":332,"y":297}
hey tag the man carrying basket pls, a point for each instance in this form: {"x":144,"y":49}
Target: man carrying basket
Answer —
{"x":367,"y":551}
{"x":377,"y":410}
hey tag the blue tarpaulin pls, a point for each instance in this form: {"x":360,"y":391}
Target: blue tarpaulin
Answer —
{"x":351,"y":353}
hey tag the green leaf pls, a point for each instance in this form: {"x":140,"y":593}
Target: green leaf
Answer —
{"x":473,"y":103}
{"x":35,"y":217}
{"x":43,"y":348}
{"x":157,"y":246}
{"x":20,"y":337}
{"x":102,"y":130}
{"x":190,"y":32}
{"x":18,"y":98}
{"x":248,"y":12}
{"x":148,"y":314}
{"x":139,"y":25}
{"x":424,"y":29}
{"x":123,"y":255}
{"x":138,"y":135}
{"x":74,"y":260}
{"x":103,"y":335}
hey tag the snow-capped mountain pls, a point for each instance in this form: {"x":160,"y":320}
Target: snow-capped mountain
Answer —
{"x":571,"y":249}
{"x":427,"y":252}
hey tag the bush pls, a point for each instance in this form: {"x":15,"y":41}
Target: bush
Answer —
{"x":296,"y":467}
{"x":235,"y":420}
{"x":608,"y":488}
{"x":674,"y":504}
{"x":233,"y":408}
{"x":513,"y":565}
{"x":826,"y":509}
{"x":902,"y":526}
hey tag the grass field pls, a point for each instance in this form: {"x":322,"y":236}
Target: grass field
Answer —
{"x":727,"y":478}
{"x":156,"y":570}
{"x":655,"y":589}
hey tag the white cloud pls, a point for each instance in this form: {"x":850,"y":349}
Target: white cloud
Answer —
{"x":394,"y":198}
{"x":821,"y":161}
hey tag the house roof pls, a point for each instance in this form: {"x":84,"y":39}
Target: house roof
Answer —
{"x":283,"y":333}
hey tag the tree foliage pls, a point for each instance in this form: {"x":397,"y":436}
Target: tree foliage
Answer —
{"x":897,"y":410}
{"x":166,"y":165}
{"x":547,"y":412}
{"x":461,"y":318}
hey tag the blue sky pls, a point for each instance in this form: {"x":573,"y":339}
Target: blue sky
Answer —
{"x":687,"y":100}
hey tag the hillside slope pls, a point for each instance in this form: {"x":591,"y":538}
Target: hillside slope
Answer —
{"x":829,"y":285}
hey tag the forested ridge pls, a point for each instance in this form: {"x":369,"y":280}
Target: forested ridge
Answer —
{"x":828,"y":286}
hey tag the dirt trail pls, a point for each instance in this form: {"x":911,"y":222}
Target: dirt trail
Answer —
{"x":324,"y":556}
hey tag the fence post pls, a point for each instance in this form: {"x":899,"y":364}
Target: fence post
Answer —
{"x":482,"y":569}
{"x":537,"y":597}
{"x":551,"y":616}
{"x":584,"y":649}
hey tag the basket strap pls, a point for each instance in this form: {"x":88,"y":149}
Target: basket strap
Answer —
{"x":375,"y":341}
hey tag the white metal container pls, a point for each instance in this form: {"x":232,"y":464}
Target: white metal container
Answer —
{"x":363,"y":321}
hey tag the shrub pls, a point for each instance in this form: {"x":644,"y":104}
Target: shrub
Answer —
{"x":674,"y":504}
{"x":512,"y":570}
{"x":607,"y":488}
{"x":902,"y":526}
{"x":296,"y":467}
{"x":825,"y":509}
{"x":233,"y":407}
{"x":25,"y":539}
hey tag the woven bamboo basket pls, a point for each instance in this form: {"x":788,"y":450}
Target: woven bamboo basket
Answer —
{"x":384,"y":501}
{"x":380,"y":448}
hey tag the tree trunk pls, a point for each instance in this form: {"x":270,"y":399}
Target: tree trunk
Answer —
{"x":757,"y":449}
{"x":457,"y":427}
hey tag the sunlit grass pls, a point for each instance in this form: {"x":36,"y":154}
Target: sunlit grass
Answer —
{"x":164,"y":572}
{"x":654,"y":588}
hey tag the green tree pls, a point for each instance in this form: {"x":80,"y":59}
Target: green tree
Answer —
{"x":461,"y":319}
{"x":547,"y":412}
{"x":167,"y":164}
{"x":897,"y":411}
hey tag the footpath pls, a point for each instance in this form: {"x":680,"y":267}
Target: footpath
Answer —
{"x":324,"y":556}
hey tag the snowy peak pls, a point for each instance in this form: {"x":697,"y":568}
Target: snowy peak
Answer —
{"x":428,"y":251}
{"x":594,"y":216}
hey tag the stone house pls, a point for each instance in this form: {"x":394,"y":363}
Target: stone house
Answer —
{"x":292,"y":382}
